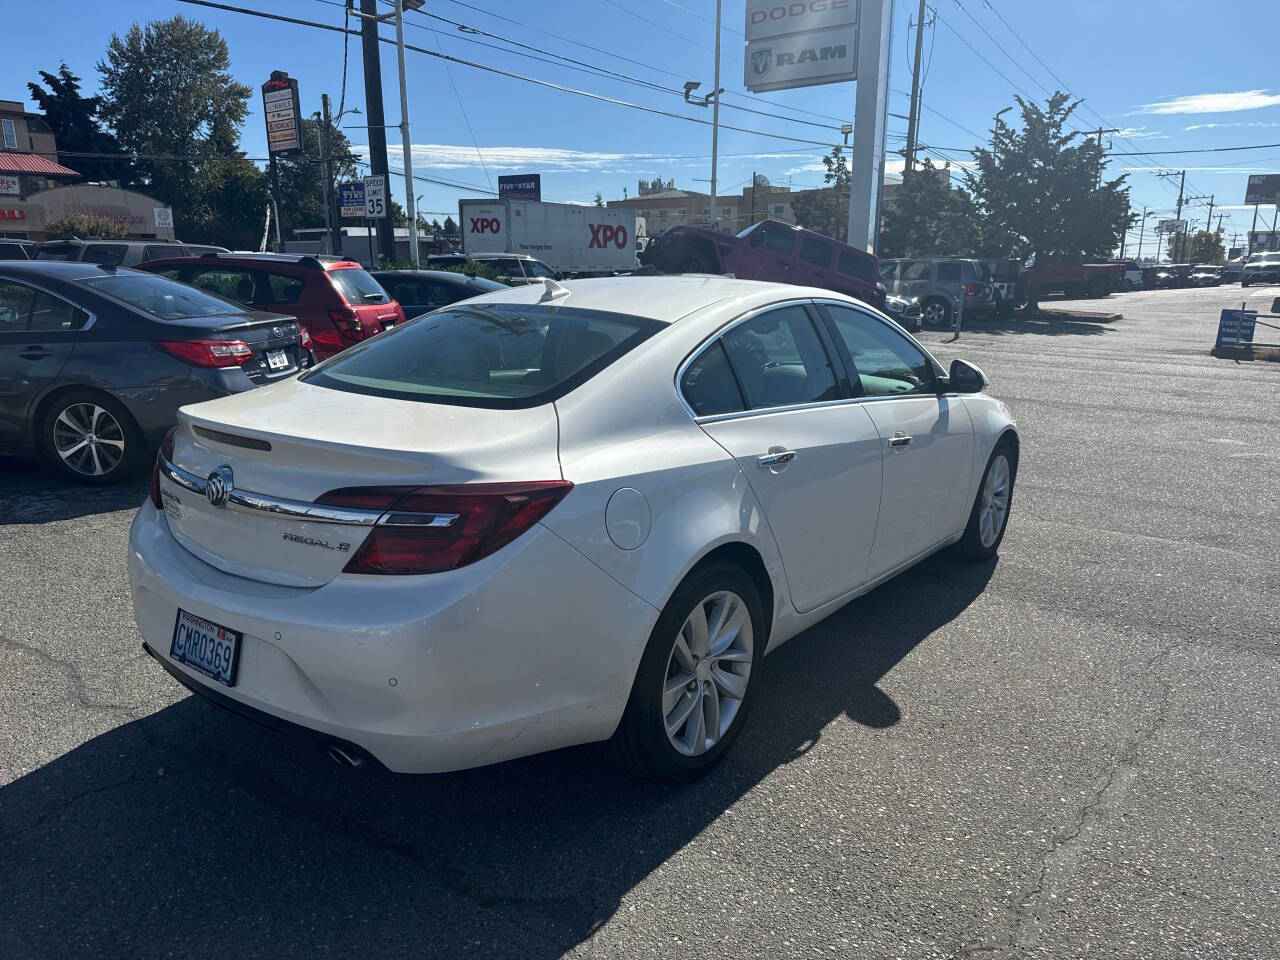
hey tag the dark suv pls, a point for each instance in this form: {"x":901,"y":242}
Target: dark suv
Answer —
{"x":335,"y":300}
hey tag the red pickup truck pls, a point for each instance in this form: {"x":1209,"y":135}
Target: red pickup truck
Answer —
{"x":768,"y":250}
{"x":1071,"y":275}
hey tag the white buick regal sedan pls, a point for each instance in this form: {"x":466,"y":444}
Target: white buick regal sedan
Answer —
{"x":554,"y":515}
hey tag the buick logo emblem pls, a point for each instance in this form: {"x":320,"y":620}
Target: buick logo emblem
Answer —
{"x":219,"y":486}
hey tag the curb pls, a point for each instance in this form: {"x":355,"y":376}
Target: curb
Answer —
{"x":1246,"y":351}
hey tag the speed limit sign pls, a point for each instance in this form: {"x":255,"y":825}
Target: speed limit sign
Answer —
{"x":375,"y":196}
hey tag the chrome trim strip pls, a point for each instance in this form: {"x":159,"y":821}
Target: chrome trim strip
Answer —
{"x":249,"y":502}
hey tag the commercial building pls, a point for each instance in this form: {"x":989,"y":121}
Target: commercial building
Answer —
{"x":35,"y":189}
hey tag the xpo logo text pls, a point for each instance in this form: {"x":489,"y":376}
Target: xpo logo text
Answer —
{"x":485,"y":225}
{"x":603,"y":234}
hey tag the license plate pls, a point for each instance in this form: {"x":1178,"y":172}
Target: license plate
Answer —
{"x":207,"y":647}
{"x":276,"y":359}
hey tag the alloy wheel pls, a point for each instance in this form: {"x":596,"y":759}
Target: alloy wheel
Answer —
{"x":707,"y":673}
{"x":994,"y":507}
{"x":88,"y":439}
{"x":935,"y":313}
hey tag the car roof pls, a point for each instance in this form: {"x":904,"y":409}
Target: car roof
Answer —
{"x":446,"y":275}
{"x":62,"y":269}
{"x":303,"y":260}
{"x":662,"y":298}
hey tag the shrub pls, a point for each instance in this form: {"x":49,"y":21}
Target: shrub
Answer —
{"x":81,"y":225}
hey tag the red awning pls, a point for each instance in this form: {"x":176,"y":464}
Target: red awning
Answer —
{"x":33,"y":163}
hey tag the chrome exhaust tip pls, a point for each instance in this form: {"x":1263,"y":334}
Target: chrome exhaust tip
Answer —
{"x":342,"y":758}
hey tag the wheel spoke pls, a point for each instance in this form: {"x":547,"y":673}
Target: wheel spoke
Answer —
{"x":696,"y":731}
{"x":728,"y":625}
{"x":711,"y":712}
{"x":671,"y":693}
{"x":70,"y":424}
{"x":733,"y":655}
{"x":97,"y":464}
{"x":118,"y":444}
{"x":64,"y":454}
{"x":696,"y":630}
{"x":677,"y":716}
{"x":682,"y":655}
{"x":93,"y":418}
{"x":730,"y":684}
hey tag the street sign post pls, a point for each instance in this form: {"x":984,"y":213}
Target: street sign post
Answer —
{"x":1236,"y":326}
{"x":284,"y":133}
{"x":375,"y":197}
{"x":351,"y":199}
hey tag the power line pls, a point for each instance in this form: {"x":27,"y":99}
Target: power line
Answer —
{"x":1163,"y":153}
{"x":1001,"y":48}
{"x":563,"y":88}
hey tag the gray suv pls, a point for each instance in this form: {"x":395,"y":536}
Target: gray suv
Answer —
{"x":120,"y":253}
{"x":938,"y":283}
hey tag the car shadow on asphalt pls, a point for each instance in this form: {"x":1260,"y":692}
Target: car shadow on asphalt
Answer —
{"x":31,"y":491}
{"x":191,"y":832}
{"x":1058,"y":323}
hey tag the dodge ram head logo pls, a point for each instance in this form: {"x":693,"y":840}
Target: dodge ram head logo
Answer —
{"x":485,"y":225}
{"x":761,"y":61}
{"x":603,"y":234}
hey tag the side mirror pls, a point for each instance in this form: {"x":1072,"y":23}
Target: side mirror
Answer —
{"x":1275,"y":305}
{"x":964,"y":377}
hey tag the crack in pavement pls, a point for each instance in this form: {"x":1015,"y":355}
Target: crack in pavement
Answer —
{"x":1030,"y":914}
{"x":79,"y":688}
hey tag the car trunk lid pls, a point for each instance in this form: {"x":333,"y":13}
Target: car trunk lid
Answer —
{"x":294,"y":442}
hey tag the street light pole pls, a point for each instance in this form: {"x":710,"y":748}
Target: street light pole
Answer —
{"x":715,"y":121}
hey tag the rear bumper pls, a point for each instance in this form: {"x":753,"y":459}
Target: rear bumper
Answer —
{"x":531,"y":649}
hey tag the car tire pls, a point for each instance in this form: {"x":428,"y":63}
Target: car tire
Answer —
{"x":692,"y":263}
{"x":1097,"y":288}
{"x":1244,"y":283}
{"x":92,"y":438}
{"x":936,"y":312}
{"x":1126,"y":285}
{"x":654,"y":740}
{"x":987,"y":520}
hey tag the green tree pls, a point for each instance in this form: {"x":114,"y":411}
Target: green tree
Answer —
{"x":74,"y":120}
{"x":827,"y":210}
{"x":234,"y":198}
{"x":599,"y":199}
{"x":1199,"y":247}
{"x":450,"y":228}
{"x":1040,"y":190}
{"x":930,"y":218}
{"x":167,"y":92}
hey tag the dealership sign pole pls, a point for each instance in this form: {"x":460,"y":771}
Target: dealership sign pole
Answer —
{"x":803,"y":43}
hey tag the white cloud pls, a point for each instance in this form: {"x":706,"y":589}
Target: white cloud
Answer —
{"x":1141,"y":133}
{"x":1213,"y":102}
{"x":1239,"y":123}
{"x":440,"y":156}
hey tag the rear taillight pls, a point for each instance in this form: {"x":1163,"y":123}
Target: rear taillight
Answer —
{"x":304,"y":338}
{"x":970,"y":289}
{"x":208,"y":353}
{"x":166,"y":451}
{"x":432,"y":529}
{"x":347,"y":323}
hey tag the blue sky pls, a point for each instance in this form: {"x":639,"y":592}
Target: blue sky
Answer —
{"x":1171,"y":75}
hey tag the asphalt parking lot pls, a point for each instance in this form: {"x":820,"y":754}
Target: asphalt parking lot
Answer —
{"x":1073,"y":751}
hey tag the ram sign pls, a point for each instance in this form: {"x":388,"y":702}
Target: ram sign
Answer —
{"x":801,"y":43}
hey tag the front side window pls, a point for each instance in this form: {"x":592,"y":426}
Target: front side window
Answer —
{"x":487,"y":355}
{"x":779,"y":360}
{"x":773,"y":238}
{"x":885,"y":362}
{"x":538,"y":269}
{"x":160,"y":297}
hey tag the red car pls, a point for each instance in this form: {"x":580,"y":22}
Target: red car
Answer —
{"x":768,"y":250}
{"x":337,"y":302}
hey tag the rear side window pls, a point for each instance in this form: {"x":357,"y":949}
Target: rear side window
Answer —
{"x":774,"y":239}
{"x":161,"y":298}
{"x":488,"y":355}
{"x":815,"y":252}
{"x":708,"y":385}
{"x":165,"y":252}
{"x":919,"y":270}
{"x":228,"y":282}
{"x":357,"y":286}
{"x":858,"y":267}
{"x":62,"y":251}
{"x":779,"y":360}
{"x":104,"y":253}
{"x":284,"y":289}
{"x":949,"y":272}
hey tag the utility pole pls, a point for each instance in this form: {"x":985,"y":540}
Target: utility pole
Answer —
{"x":373,"y":108}
{"x":913,"y":118}
{"x":1098,"y":133}
{"x":754,"y":184}
{"x":410,"y":210}
{"x":1182,"y":183}
{"x":1186,"y":234}
{"x":1208,"y":224}
{"x":326,"y":174}
{"x":715,"y":124}
{"x":1141,"y":230}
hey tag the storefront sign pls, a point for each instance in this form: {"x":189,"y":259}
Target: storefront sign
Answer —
{"x":800,"y":43}
{"x":280,"y":104}
{"x":12,"y":214}
{"x":9,"y":186}
{"x":164,"y":218}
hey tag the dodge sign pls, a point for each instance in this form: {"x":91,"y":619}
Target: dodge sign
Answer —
{"x":800,"y":43}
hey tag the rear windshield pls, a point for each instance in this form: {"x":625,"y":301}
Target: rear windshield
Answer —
{"x":161,"y":297}
{"x":487,"y":355}
{"x":358,"y":286}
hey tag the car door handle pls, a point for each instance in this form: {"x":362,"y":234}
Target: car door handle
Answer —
{"x":776,"y":459}
{"x":899,"y":440}
{"x":35,"y":353}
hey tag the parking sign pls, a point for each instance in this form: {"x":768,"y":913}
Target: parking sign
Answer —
{"x":375,"y":196}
